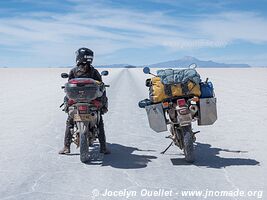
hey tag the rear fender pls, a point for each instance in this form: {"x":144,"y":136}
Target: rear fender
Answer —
{"x":82,"y":127}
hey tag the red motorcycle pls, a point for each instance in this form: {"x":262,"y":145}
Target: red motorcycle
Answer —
{"x":84,"y":108}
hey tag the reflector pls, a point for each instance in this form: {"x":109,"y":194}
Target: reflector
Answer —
{"x":165,"y":104}
{"x":195,"y":99}
{"x":82,"y":108}
{"x":71,"y":101}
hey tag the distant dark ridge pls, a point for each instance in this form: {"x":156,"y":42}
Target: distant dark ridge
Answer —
{"x":130,"y":66}
{"x":187,"y":60}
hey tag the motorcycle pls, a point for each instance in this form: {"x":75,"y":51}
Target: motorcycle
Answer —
{"x":84,"y":107}
{"x":179,"y":113}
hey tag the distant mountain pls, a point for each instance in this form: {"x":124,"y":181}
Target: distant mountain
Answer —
{"x":187,"y":60}
{"x":106,"y":66}
{"x":180,"y":63}
{"x":112,"y":66}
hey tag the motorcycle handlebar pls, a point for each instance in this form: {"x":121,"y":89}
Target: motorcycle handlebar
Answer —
{"x":107,"y":85}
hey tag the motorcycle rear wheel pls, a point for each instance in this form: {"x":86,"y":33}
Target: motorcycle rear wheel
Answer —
{"x":188,"y":144}
{"x":84,"y":148}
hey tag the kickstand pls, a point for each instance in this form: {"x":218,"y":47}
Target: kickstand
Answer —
{"x":167,"y":148}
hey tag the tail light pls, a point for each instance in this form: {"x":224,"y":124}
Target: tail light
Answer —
{"x":96,"y":103}
{"x":71,"y":102}
{"x":181,"y":102}
{"x":75,"y":81}
{"x":82,"y":108}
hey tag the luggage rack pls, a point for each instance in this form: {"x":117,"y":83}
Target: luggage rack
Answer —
{"x":178,"y":97}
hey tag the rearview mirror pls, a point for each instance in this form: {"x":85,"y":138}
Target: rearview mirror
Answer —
{"x":148,"y":82}
{"x":64,"y":75}
{"x":146,"y":70}
{"x":193,"y":66}
{"x":104,"y":73}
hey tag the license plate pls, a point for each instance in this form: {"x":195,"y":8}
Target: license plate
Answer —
{"x":185,"y":119}
{"x":82,"y":117}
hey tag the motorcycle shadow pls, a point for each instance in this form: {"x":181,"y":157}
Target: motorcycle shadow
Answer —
{"x":207,"y":156}
{"x":121,"y":157}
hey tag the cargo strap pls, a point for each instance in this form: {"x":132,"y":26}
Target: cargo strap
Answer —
{"x":168,"y":90}
{"x":184,"y":86}
{"x":185,"y":89}
{"x":193,"y":87}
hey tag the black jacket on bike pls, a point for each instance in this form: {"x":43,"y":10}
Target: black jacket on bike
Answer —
{"x":91,"y":72}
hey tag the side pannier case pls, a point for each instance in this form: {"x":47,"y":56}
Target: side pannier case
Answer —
{"x":207,"y":111}
{"x":156,"y":117}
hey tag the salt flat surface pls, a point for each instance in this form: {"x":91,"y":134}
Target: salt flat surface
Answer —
{"x":231,"y":154}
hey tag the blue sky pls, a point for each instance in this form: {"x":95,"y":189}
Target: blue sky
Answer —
{"x":43,"y":34}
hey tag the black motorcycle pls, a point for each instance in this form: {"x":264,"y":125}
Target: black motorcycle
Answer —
{"x":179,"y":112}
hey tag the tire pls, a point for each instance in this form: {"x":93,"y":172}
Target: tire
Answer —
{"x":188,"y":145}
{"x":84,"y":148}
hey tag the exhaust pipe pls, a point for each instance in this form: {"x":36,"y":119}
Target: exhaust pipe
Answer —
{"x":193,"y":109}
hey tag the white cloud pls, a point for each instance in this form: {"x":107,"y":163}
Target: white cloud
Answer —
{"x":232,"y":26}
{"x":107,"y":29}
